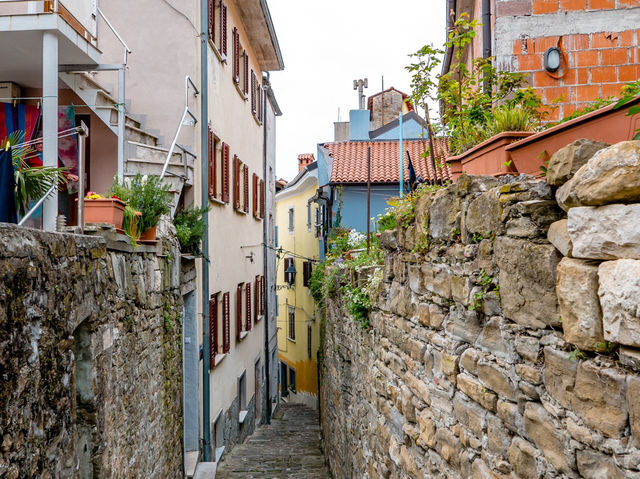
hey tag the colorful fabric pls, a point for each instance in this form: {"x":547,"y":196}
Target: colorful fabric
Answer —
{"x":68,"y":146}
{"x":8,"y":213}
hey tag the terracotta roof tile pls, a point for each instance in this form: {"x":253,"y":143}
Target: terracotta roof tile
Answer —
{"x":350,"y":161}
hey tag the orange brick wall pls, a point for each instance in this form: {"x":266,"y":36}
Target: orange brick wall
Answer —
{"x":597,"y":65}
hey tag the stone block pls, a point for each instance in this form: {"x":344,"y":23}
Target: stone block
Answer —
{"x":577,"y":288}
{"x":606,"y":232}
{"x":612,"y":175}
{"x":492,"y":338}
{"x":558,"y":236}
{"x":568,"y":160}
{"x":527,"y":281}
{"x":469,"y":360}
{"x":633,"y":394}
{"x":522,"y":456}
{"x":595,"y":465}
{"x":437,"y":279}
{"x":444,"y":214}
{"x":436,"y":316}
{"x":496,"y":379}
{"x":528,"y":347}
{"x":532,"y":218}
{"x":418,"y":387}
{"x":427,"y":427}
{"x":630,"y":357}
{"x":599,"y":398}
{"x":508,"y":412}
{"x":620,"y":300}
{"x":460,"y":286}
{"x":529,"y":373}
{"x":498,"y":438}
{"x":484,"y":214}
{"x":559,"y":375}
{"x":448,"y":446}
{"x":476,"y":391}
{"x":470,"y":414}
{"x":424,"y":316}
{"x":539,"y":427}
{"x":389,"y":240}
{"x":464,"y":325}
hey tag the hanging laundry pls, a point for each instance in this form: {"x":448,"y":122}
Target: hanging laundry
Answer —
{"x":8,"y":212}
{"x":68,"y":146}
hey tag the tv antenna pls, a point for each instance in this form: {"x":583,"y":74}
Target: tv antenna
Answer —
{"x":360,"y":85}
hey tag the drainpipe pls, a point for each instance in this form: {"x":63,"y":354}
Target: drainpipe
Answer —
{"x":486,"y":36}
{"x":265,"y":250}
{"x":204,"y":149}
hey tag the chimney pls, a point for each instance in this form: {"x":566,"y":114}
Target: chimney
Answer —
{"x":305,"y":159}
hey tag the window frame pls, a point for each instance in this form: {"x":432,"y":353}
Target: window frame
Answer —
{"x":291,"y":324}
{"x":292,"y":225}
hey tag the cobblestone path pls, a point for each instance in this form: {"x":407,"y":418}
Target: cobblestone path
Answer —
{"x":288,"y":448}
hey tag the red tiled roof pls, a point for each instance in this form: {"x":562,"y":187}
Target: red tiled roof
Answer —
{"x":306,"y":156}
{"x":404,"y":97}
{"x":350,"y":161}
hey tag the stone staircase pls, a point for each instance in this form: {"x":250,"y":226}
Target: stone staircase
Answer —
{"x":143,"y":153}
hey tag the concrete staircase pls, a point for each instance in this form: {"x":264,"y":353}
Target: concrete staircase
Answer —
{"x":143,"y":153}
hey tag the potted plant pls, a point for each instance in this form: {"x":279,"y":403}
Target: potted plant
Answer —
{"x":100,"y":209}
{"x":149,"y":196}
{"x":190,"y":229}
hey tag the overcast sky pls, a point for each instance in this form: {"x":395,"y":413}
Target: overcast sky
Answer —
{"x":329,"y":43}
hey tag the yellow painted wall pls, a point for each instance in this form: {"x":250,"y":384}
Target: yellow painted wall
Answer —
{"x":302,"y":242}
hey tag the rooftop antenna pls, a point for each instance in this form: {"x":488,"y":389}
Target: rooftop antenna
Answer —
{"x":338,"y":114}
{"x":360,"y":85}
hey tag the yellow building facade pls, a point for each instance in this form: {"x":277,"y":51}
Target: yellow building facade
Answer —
{"x":298,"y":320}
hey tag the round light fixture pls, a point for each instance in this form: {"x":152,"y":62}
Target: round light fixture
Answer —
{"x":552,"y":58}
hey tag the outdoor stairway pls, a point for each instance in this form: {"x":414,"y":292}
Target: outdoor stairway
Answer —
{"x":143,"y":153}
{"x":289,"y":447}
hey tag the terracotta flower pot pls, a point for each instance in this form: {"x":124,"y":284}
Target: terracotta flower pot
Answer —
{"x":105,"y":210}
{"x":605,"y":124}
{"x":488,"y":158}
{"x":149,"y":235}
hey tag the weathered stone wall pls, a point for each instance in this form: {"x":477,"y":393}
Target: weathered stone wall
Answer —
{"x":90,"y":358}
{"x":471,"y":366}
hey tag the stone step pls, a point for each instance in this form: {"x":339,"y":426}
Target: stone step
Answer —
{"x":190,"y":463}
{"x":205,"y":470}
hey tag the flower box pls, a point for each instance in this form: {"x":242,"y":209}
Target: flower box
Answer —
{"x":104,"y":210}
{"x":605,"y":124}
{"x":488,"y":158}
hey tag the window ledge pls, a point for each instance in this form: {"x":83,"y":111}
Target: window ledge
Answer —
{"x":218,"y":359}
{"x":292,"y":340}
{"x":242,"y":416}
{"x":240,"y":91}
{"x":255,"y":117}
{"x":241,"y":212}
{"x":222,"y":58}
{"x":215,"y":200}
{"x":260,"y":318}
{"x":243,"y":335}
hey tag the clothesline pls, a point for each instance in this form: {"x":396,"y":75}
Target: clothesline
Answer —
{"x":61,"y":134}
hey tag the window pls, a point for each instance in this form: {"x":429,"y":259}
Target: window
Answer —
{"x":291,"y":220}
{"x":212,"y":166}
{"x":245,"y":176}
{"x":258,"y":301}
{"x":223,"y":30}
{"x":213,"y":330}
{"x":219,"y":40}
{"x":210,"y":16}
{"x":242,"y":396}
{"x":284,"y":379}
{"x":240,"y":333}
{"x":245,"y":74}
{"x":292,"y":323}
{"x":309,"y":340}
{"x":237,"y":167}
{"x":254,"y":94}
{"x":218,"y":436}
{"x":256,"y":206}
{"x":226,"y":323}
{"x":225,"y":173}
{"x":308,"y":216}
{"x":292,"y":380}
{"x":236,"y":56}
{"x":263,"y":295}
{"x":307,"y":268}
{"x":261,"y":194}
{"x":248,"y":322}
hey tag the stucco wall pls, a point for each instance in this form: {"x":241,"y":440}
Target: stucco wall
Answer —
{"x":90,"y":354}
{"x":354,"y":204}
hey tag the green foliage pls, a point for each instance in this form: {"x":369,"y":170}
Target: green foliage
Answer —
{"x":146,"y":194}
{"x":477,"y":237}
{"x":577,"y":355}
{"x":422,"y":244}
{"x":386,"y":221}
{"x":358,"y":303}
{"x":131,"y":224}
{"x":317,"y":282}
{"x":487,"y":285}
{"x":190,"y":228}
{"x":605,"y":347}
{"x":628,"y":93}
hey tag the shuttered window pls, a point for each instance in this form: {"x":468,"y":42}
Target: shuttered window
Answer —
{"x":307,"y":268}
{"x":254,"y":93}
{"x":263,"y":295}
{"x":256,"y":206}
{"x":210,"y":16}
{"x":262,"y":199}
{"x":239,"y":300}
{"x":236,"y":182}
{"x":245,"y":74}
{"x":292,"y":323}
{"x":223,"y":29}
{"x":213,"y":177}
{"x":226,"y":325}
{"x":245,"y":175}
{"x":257,"y":310}
{"x":213,"y":330}
{"x":260,"y":104}
{"x":248,"y":308}
{"x":236,"y":55}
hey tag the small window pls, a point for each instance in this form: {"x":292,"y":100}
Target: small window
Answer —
{"x":242,"y":391}
{"x":291,"y":220}
{"x":309,"y":340}
{"x":292,"y":323}
{"x":308,"y":216}
{"x":307,"y":268}
{"x":218,"y":436}
{"x":292,"y":380}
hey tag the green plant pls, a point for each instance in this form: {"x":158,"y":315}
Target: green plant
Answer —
{"x":146,"y":194}
{"x":512,"y":117}
{"x":578,"y":355}
{"x":422,"y":245}
{"x":628,"y":93}
{"x":476,"y":304}
{"x":605,"y":347}
{"x":477,"y":237}
{"x":131,"y":224}
{"x":358,"y":303}
{"x":386,"y":221}
{"x":190,"y":228}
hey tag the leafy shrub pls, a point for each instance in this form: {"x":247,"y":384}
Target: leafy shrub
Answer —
{"x":146,"y":194}
{"x":190,"y":228}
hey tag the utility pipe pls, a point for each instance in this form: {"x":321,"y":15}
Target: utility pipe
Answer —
{"x":204,"y":149}
{"x":486,"y":28}
{"x":401,"y":157}
{"x":265,"y":251}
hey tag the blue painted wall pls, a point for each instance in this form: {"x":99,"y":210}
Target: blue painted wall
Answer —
{"x":359,"y":124}
{"x":354,"y":204}
{"x":410,"y":127}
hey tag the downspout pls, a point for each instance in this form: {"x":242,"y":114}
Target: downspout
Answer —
{"x":486,"y":36}
{"x":204,"y":149}
{"x":265,"y":251}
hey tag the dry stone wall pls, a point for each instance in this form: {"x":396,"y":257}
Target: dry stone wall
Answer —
{"x":491,"y":353}
{"x":90,"y":358}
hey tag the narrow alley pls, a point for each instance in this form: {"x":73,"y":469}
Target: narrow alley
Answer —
{"x":287,"y":448}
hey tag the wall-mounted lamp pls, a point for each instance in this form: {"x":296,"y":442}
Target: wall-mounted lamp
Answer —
{"x":291,"y":274}
{"x":552,"y":59}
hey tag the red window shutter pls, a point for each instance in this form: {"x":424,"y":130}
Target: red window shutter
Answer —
{"x":257,"y":300}
{"x":263,"y":295}
{"x":245,"y":79}
{"x":248,"y":313}
{"x":223,"y":28}
{"x":236,"y":55}
{"x":211,"y":165}
{"x":262,"y":199}
{"x":226,"y":332}
{"x":255,"y":196}
{"x":254,"y":99}
{"x":236,"y":182}
{"x":213,"y":330}
{"x":225,"y":172}
{"x":260,"y":104}
{"x":211,"y":9}
{"x":246,"y":188}
{"x":238,"y":311}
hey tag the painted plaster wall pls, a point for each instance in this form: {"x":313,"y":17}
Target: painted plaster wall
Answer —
{"x":411,"y":129}
{"x":301,"y":241}
{"x":354,"y":204}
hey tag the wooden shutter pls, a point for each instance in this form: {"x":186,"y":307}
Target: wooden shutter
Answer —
{"x":287,"y":263}
{"x":248,"y":312}
{"x":236,"y":182}
{"x":245,"y":76}
{"x":263,"y":295}
{"x":213,"y":330}
{"x":212,"y":165}
{"x":225,"y":172}
{"x":260,"y":103}
{"x":256,"y":209}
{"x":226,"y":326}
{"x":246,"y":188}
{"x":239,"y":312}
{"x":306,"y":273}
{"x":223,"y":28}
{"x":254,"y":92}
{"x":257,"y":299}
{"x":210,"y":10}
{"x":262,"y":192}
{"x":236,"y":55}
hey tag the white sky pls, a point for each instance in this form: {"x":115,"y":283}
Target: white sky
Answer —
{"x":326,"y":45}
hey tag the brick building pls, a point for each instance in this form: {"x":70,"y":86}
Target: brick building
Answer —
{"x":598,"y":42}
